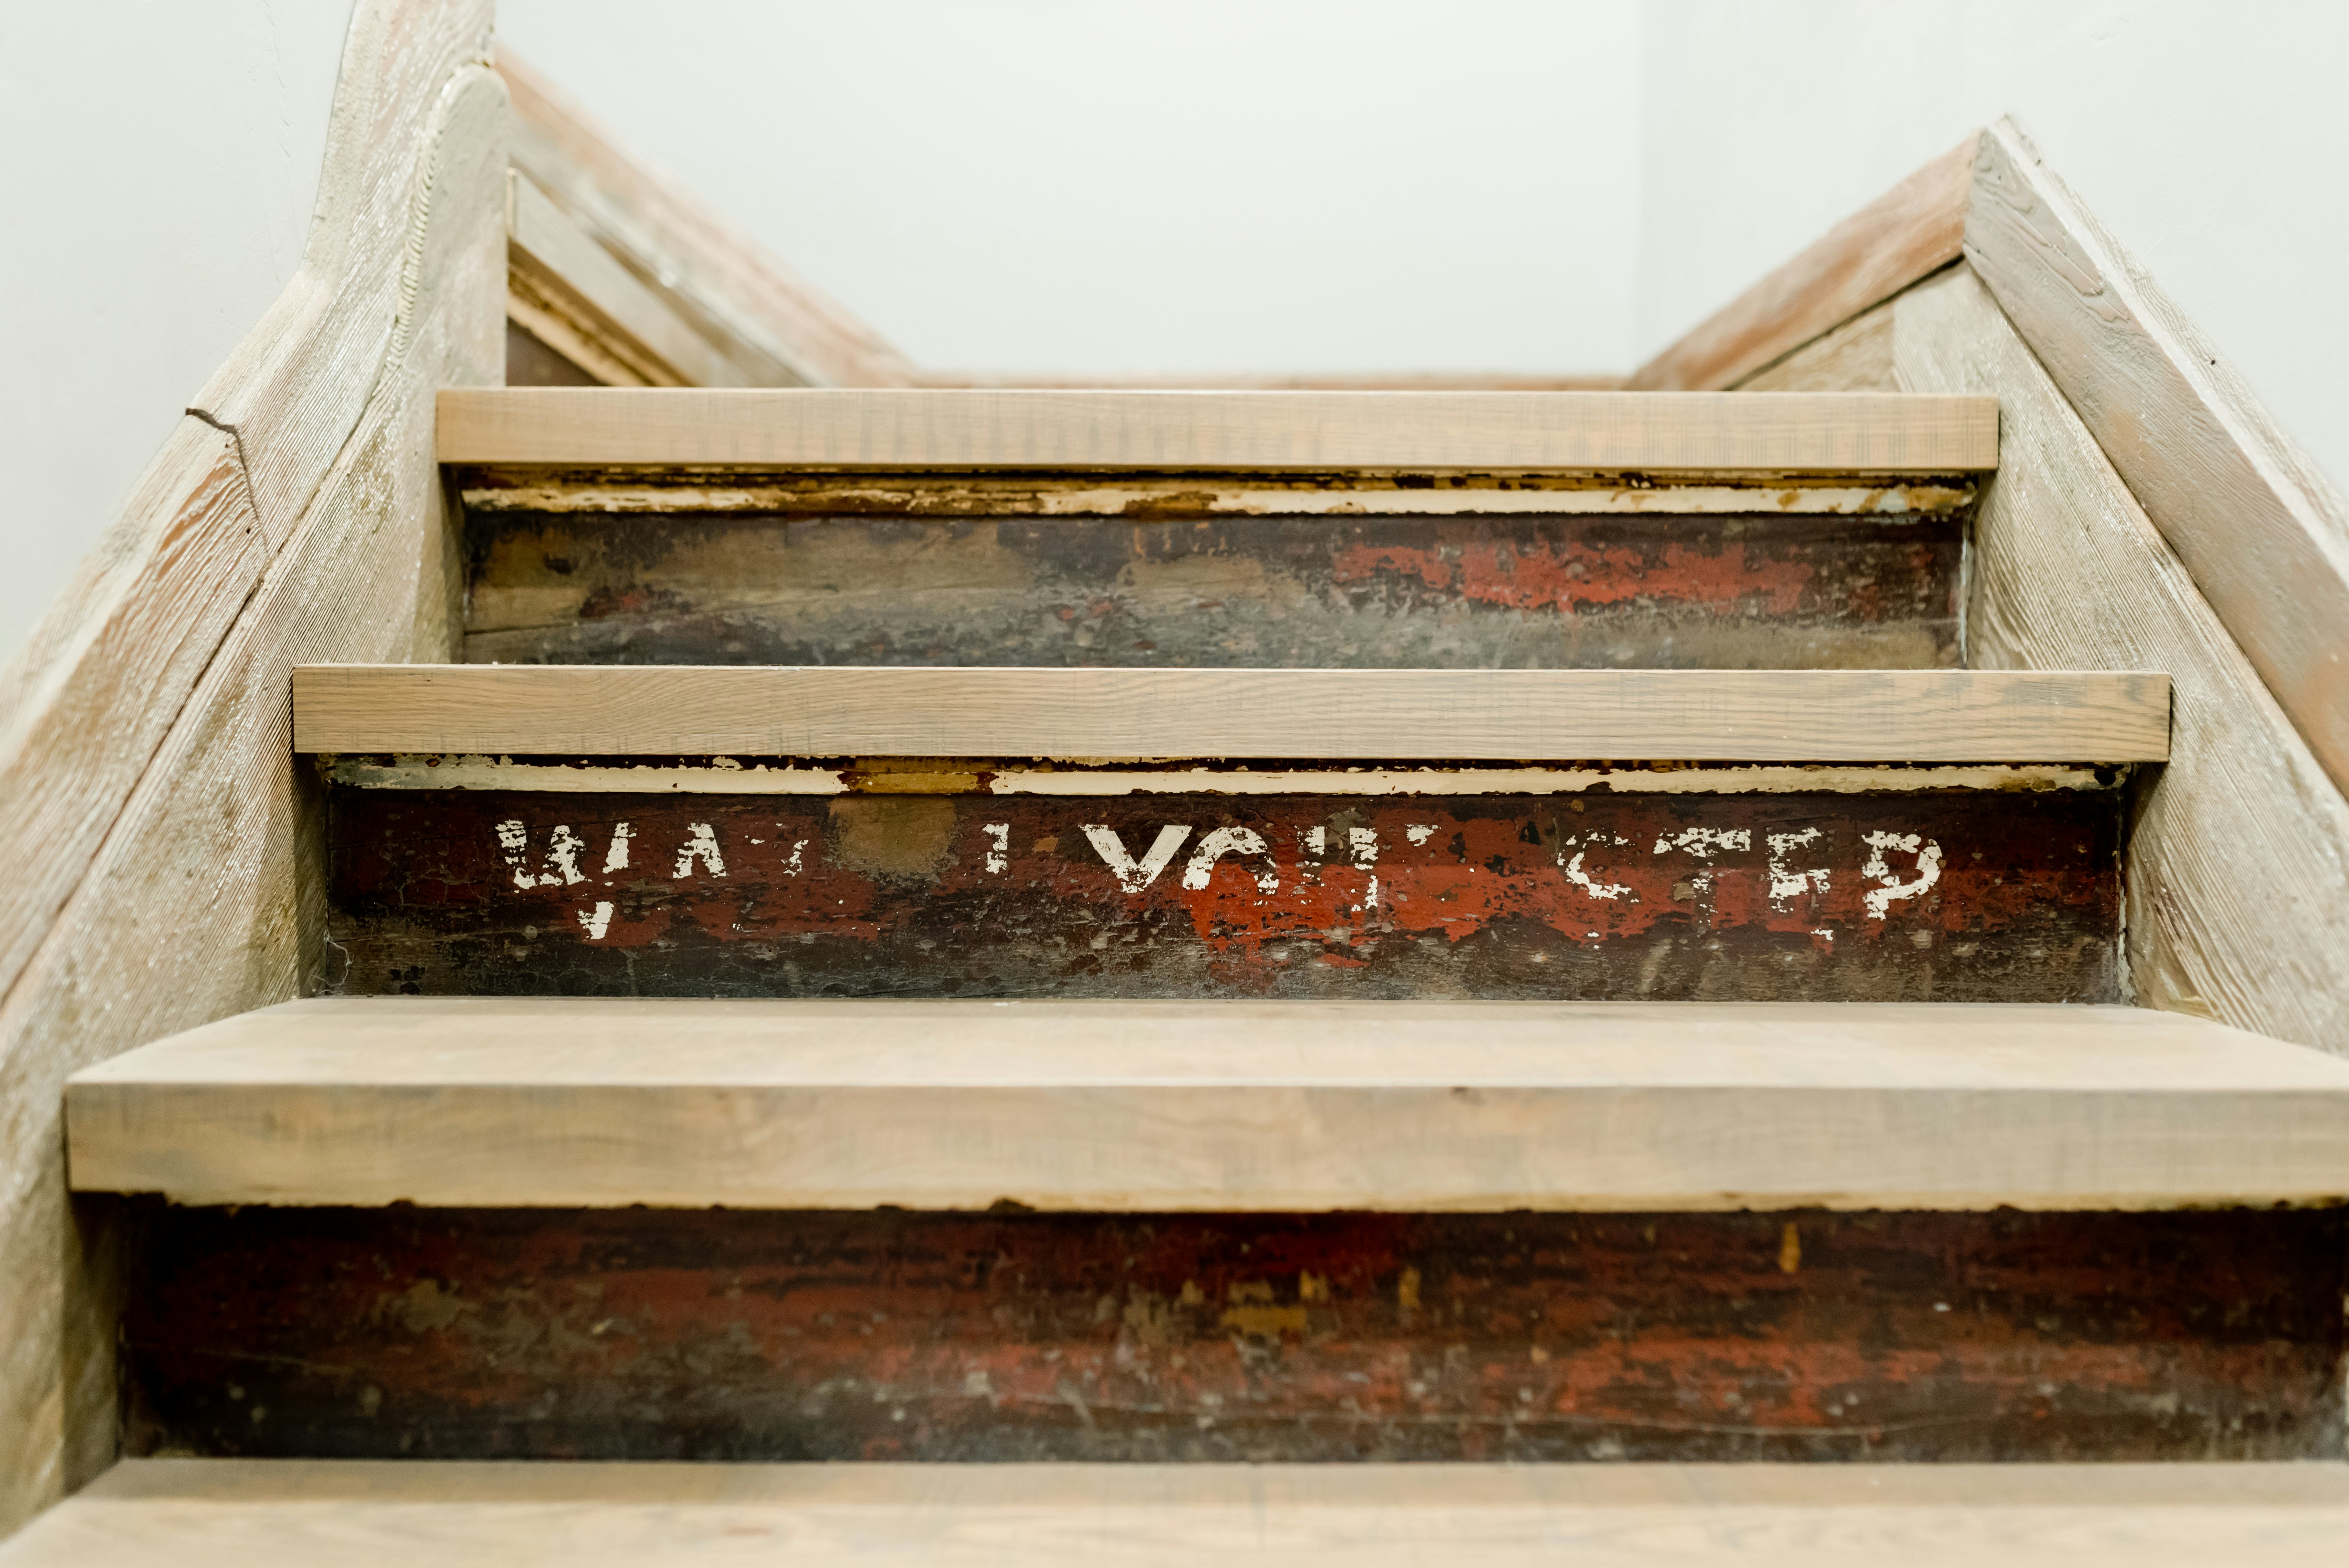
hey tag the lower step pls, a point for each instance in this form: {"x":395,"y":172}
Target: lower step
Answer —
{"x":200,"y":1513}
{"x":739,"y":1334}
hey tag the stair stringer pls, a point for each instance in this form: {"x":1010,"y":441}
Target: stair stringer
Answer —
{"x":159,"y":835}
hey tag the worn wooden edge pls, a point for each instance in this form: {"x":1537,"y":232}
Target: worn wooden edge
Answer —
{"x":142,"y":725}
{"x":1214,"y":1107}
{"x":1909,"y":232}
{"x":997,"y":776}
{"x":211,"y":1513}
{"x":1883,"y":499}
{"x":569,"y":292}
{"x":1801,"y":715}
{"x":775,"y":326}
{"x":1233,"y":431}
{"x":2265,"y":536}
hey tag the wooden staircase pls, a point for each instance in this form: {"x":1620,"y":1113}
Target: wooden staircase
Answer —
{"x":1142,"y":930}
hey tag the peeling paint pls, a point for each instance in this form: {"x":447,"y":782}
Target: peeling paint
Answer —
{"x":734,"y":775}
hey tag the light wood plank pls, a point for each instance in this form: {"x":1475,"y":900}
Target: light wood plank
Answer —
{"x":774,"y":324}
{"x":2264,"y":535}
{"x":1246,"y":431}
{"x":568,"y":290}
{"x":2239,"y":849}
{"x":232,"y":1514}
{"x":1162,"y":1106}
{"x":1911,"y":231}
{"x":158,"y":825}
{"x":1768,"y":715}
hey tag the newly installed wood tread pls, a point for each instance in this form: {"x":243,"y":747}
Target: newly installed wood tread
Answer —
{"x":1262,"y":1106}
{"x":1639,"y":433}
{"x":1747,"y":716}
{"x":215,"y":1514}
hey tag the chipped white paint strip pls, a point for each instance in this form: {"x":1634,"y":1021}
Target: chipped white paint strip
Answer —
{"x":616,"y":859}
{"x":1214,"y":846}
{"x":1135,"y":875}
{"x":563,"y":847}
{"x":1879,"y":900}
{"x":701,"y":846}
{"x":1706,"y":842}
{"x":1584,"y":880}
{"x":596,"y":922}
{"x":514,"y":839}
{"x":1785,"y":882}
{"x":1118,"y":501}
{"x":998,"y":848}
{"x":730,"y":777}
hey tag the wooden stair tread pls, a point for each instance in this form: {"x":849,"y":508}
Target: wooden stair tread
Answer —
{"x":200,"y":1512}
{"x":896,"y":429}
{"x":1810,"y":715}
{"x":1212,"y":1106}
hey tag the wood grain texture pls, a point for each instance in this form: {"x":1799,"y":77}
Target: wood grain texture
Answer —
{"x":151,"y":717}
{"x":1157,"y":1106}
{"x":1259,"y":431}
{"x":1803,"y":716}
{"x":1907,"y":233}
{"x":569,"y":290}
{"x":233,"y":1514}
{"x":2241,"y":846}
{"x":773,"y":326}
{"x":2264,"y":535}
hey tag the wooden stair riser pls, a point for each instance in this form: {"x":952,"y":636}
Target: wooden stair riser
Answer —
{"x":718,"y":1335}
{"x":1945,"y":895}
{"x":1689,"y":591}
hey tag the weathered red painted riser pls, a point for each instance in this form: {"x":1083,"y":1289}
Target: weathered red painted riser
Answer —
{"x":1951,"y":895}
{"x":1698,"y":592}
{"x":712,"y":1334}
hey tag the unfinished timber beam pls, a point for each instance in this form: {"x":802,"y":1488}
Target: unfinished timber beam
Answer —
{"x":1620,"y":432}
{"x":1806,"y":716}
{"x":1212,"y":1106}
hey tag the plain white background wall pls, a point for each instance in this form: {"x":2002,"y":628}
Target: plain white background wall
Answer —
{"x":162,"y":160}
{"x":1559,"y":185}
{"x":2210,"y":140}
{"x":1154,"y":184}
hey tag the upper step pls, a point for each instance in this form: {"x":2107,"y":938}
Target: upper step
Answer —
{"x":1170,"y":530}
{"x":1834,"y":716}
{"x":1650,"y":433}
{"x":1215,"y":1106}
{"x":202,"y":1512}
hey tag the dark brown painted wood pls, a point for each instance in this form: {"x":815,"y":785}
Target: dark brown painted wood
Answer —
{"x":711,"y":1335}
{"x":1167,"y":589}
{"x":1949,"y":895}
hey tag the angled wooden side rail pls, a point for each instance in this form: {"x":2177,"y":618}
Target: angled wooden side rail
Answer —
{"x":568,"y":291}
{"x":1826,"y":716}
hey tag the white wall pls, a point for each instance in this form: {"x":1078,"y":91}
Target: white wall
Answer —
{"x":162,"y":161}
{"x":2210,"y":140}
{"x":1154,"y":184}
